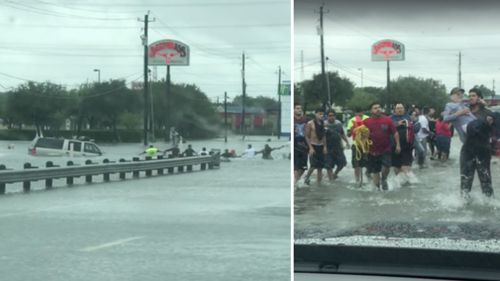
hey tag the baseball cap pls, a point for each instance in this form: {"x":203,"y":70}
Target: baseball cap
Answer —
{"x":457,"y":90}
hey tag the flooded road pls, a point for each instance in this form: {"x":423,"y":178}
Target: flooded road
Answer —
{"x":430,"y":209}
{"x":231,"y":223}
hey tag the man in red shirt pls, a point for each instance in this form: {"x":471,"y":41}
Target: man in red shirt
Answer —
{"x":379,"y":159}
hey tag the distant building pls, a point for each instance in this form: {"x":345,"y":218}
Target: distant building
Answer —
{"x":493,"y":101}
{"x":255,"y":118}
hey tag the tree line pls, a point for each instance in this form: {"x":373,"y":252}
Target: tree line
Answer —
{"x":111,"y":105}
{"x":409,"y":90}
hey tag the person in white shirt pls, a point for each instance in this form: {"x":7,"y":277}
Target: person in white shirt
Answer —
{"x":249,"y":152}
{"x":421,"y":138}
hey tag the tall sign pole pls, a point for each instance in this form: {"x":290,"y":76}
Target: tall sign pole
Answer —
{"x":243,"y":85}
{"x":388,"y":82}
{"x":225,"y":117}
{"x":279,"y":102}
{"x":388,"y":50}
{"x":167,"y":96}
{"x":151,"y":110}
{"x":168,"y":52}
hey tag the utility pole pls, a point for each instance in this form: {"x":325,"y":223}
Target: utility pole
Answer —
{"x":460,"y":69}
{"x":361,"y":69}
{"x":243,"y":97}
{"x":146,"y":86}
{"x":225,"y":117}
{"x":301,"y":65}
{"x":323,"y":83}
{"x":329,"y":95}
{"x":493,"y":94}
{"x":279,"y":102}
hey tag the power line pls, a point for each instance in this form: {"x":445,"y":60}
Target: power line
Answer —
{"x":28,"y":8}
{"x":73,"y":7}
{"x":189,"y":4}
{"x":222,"y":26}
{"x":307,"y":65}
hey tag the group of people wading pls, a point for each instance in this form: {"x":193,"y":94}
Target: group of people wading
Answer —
{"x":381,"y":141}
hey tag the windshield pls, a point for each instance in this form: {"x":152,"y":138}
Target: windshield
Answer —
{"x":143,"y":111}
{"x":396,"y":125}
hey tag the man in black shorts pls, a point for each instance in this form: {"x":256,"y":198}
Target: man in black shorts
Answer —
{"x":315,"y":137}
{"x":402,"y":161}
{"x":380,"y":156}
{"x":300,"y":147}
{"x":334,"y":136}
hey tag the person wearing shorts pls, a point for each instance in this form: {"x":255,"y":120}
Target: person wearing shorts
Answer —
{"x":377,"y":162}
{"x":353,"y":123}
{"x":379,"y":158}
{"x":335,"y":156}
{"x":443,"y":139}
{"x":299,"y":143}
{"x":316,"y":140}
{"x":402,"y":161}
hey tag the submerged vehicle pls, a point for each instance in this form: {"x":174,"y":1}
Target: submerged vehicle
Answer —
{"x":49,"y":146}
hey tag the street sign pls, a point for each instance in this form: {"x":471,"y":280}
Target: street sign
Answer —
{"x":388,"y":50}
{"x":168,"y":52}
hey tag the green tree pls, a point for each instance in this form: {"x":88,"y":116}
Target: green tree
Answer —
{"x":265,"y":103}
{"x":44,"y":105}
{"x":416,"y":91}
{"x":487,"y":92}
{"x":101,"y":104}
{"x":186,"y":108}
{"x":341,"y":90}
{"x":3,"y":108}
{"x":130,"y":120}
{"x":361,"y":99}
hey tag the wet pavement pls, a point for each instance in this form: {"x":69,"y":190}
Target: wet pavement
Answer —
{"x":429,"y":209}
{"x":231,"y":223}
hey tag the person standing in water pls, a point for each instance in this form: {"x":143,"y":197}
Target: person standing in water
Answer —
{"x":266,"y":152}
{"x":402,"y":161}
{"x":357,"y":164}
{"x":316,"y":140}
{"x":334,"y":137}
{"x":458,"y":113}
{"x":300,"y":147}
{"x":477,"y":147}
{"x":380,"y":156}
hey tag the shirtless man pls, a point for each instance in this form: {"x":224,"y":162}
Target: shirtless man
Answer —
{"x":316,"y":140}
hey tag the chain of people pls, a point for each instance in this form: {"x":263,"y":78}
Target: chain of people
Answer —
{"x":177,"y":143}
{"x":380,"y":142}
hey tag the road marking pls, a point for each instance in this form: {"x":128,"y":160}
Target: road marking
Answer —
{"x":110,"y":244}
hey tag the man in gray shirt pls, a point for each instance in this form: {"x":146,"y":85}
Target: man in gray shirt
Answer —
{"x":471,"y":157}
{"x":458,"y":113}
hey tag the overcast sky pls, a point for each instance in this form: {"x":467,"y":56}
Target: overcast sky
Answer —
{"x":64,"y":41}
{"x":433,"y":32}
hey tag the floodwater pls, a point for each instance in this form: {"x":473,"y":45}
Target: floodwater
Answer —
{"x":430,"y":213}
{"x":231,"y":223}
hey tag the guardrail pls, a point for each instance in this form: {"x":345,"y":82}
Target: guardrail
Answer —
{"x":91,"y":169}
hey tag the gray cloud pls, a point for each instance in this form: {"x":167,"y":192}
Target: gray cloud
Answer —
{"x":63,"y":41}
{"x":432,"y":31}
